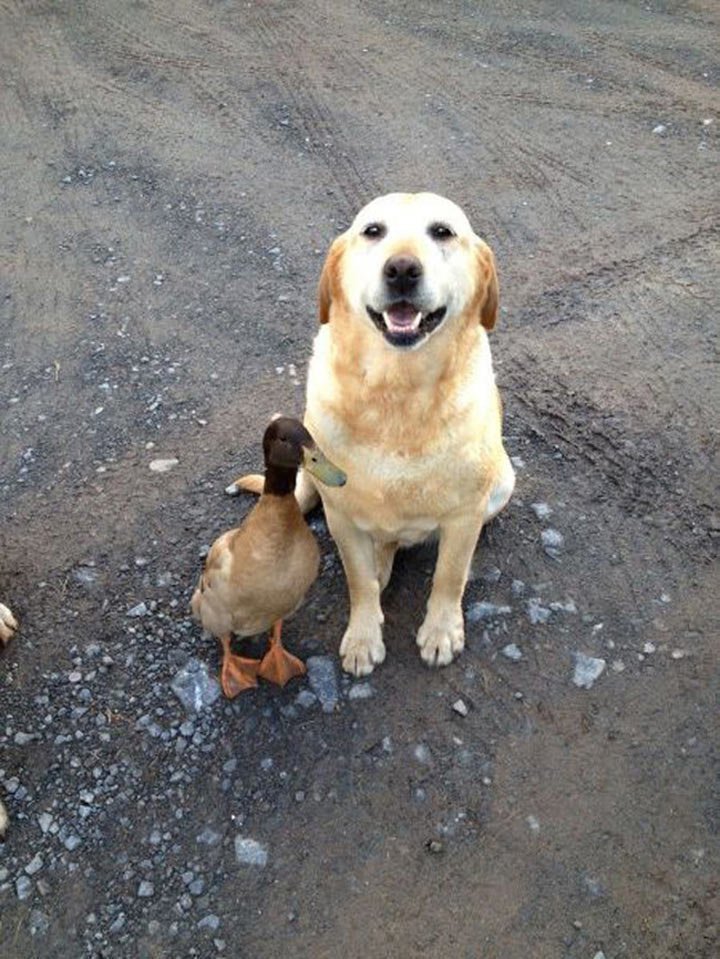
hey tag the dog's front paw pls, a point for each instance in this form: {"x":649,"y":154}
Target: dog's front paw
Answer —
{"x":362,"y":649}
{"x":441,"y":637}
{"x":8,"y":624}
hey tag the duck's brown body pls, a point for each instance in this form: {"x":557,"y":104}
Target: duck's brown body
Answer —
{"x":258,"y":573}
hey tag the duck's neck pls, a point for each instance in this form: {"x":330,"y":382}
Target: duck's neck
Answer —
{"x":279,"y":481}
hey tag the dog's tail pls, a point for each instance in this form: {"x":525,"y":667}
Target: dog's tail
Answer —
{"x":305,"y":491}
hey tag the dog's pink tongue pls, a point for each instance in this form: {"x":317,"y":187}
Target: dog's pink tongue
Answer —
{"x":401,"y":316}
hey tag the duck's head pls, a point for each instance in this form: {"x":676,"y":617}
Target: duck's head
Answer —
{"x":287,"y":446}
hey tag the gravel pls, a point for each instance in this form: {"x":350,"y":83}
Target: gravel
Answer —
{"x":537,"y":613}
{"x":137,"y":611}
{"x":323,"y":679}
{"x":35,"y":864}
{"x":23,"y":887}
{"x":483,"y":611}
{"x":194,"y":686}
{"x":512,"y":652}
{"x":552,"y":541}
{"x":250,"y":852}
{"x":587,"y":670}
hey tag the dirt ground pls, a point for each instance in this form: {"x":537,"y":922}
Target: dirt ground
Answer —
{"x":172,"y":173}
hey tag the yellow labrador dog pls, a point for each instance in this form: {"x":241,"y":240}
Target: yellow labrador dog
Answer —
{"x":401,"y":395}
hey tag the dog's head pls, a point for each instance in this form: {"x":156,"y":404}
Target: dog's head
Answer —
{"x":409,"y":265}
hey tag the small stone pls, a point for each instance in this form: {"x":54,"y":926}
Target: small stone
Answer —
{"x":35,"y":864}
{"x":537,"y":613}
{"x":568,"y":607}
{"x":23,"y":739}
{"x":483,"y":611}
{"x":232,"y":490}
{"x":517,"y":587}
{"x":250,"y":852}
{"x":211,"y":922}
{"x":460,"y":707}
{"x":435,"y":846}
{"x":208,"y":837}
{"x":592,"y":887}
{"x":678,"y":654}
{"x":361,"y":691}
{"x":660,"y":128}
{"x":322,"y":676}
{"x":587,"y":670}
{"x":85,"y":576}
{"x":39,"y":923}
{"x":45,"y":821}
{"x":74,"y":677}
{"x":137,"y":611}
{"x":552,"y":541}
{"x":533,"y":823}
{"x":23,"y":887}
{"x":649,"y":648}
{"x":422,"y":753}
{"x":306,"y":698}
{"x":512,"y":652}
{"x":71,"y":842}
{"x":117,"y":924}
{"x":599,"y":955}
{"x":194,"y":686}
{"x":491,"y":575}
{"x":197,"y":886}
{"x":163,"y":466}
{"x":146,"y":889}
{"x":541,"y":510}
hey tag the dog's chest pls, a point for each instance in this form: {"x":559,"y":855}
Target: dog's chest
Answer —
{"x":404,"y":499}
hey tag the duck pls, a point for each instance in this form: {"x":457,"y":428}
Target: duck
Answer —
{"x":259,"y":573}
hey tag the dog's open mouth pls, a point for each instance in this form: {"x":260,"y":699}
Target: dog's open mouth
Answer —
{"x":402,"y":324}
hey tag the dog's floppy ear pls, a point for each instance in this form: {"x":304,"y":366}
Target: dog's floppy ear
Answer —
{"x":488,"y":279}
{"x":329,"y":279}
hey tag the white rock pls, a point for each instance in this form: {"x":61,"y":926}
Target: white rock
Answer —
{"x":587,"y":670}
{"x":250,"y":852}
{"x":537,"y":613}
{"x":361,"y":691}
{"x":163,"y":466}
{"x":460,"y":707}
{"x":541,"y":510}
{"x":482,"y":611}
{"x":660,"y":128}
{"x":513,"y":652}
{"x":552,"y":539}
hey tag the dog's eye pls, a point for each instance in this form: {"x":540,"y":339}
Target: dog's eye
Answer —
{"x":439,"y":231}
{"x":374,"y":231}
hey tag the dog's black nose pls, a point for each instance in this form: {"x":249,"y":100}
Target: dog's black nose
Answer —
{"x":402,"y":273}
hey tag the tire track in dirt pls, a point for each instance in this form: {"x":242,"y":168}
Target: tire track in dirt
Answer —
{"x":640,"y":469}
{"x":319,"y":124}
{"x":551,"y":308}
